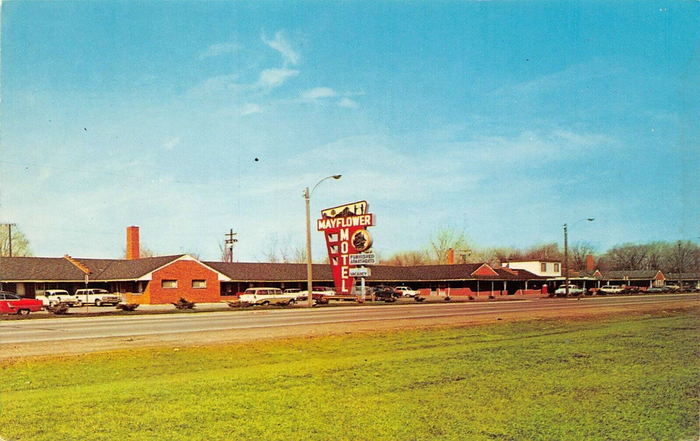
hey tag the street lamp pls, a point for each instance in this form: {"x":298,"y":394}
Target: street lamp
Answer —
{"x":566,"y":251}
{"x":309,"y":277}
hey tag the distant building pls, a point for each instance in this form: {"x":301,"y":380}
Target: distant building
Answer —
{"x":542,"y":268}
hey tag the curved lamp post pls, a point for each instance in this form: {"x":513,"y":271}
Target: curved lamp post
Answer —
{"x":566,"y":251}
{"x":309,"y":277}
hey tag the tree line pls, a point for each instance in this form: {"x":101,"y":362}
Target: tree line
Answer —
{"x":672,"y":257}
{"x":679,"y":256}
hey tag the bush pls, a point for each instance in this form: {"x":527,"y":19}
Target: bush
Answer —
{"x":58,"y":308}
{"x":183,"y":303}
{"x":128,"y":306}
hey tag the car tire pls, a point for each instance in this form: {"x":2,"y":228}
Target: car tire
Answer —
{"x":265,"y":303}
{"x":98,"y":302}
{"x":291,"y":302}
{"x":23,"y":312}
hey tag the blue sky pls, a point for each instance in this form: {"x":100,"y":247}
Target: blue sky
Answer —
{"x":503,"y":120}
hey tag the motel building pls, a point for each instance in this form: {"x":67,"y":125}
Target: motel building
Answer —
{"x":166,"y":279}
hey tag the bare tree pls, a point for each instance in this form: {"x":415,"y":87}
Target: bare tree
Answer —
{"x":684,"y":257}
{"x":408,"y":258}
{"x":144,"y":251}
{"x":657,"y":256}
{"x":20,"y":243}
{"x":446,"y":239}
{"x":492,"y":256}
{"x":283,"y":250}
{"x":548,"y":251}
{"x":578,"y":253}
{"x":627,"y":256}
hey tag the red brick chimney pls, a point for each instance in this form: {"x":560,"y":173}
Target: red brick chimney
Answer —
{"x":451,"y":256}
{"x":132,"y":243}
{"x":590,"y":263}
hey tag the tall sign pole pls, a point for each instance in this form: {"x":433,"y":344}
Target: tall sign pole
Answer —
{"x":309,"y":275}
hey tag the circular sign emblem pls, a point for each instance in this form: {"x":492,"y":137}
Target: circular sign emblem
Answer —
{"x":361,"y":240}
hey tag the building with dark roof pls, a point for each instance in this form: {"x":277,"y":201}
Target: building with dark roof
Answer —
{"x":165,"y":279}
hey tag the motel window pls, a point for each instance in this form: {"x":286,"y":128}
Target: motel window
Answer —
{"x":556,"y":267}
{"x":199,"y":284}
{"x":543,"y":267}
{"x":168,"y":283}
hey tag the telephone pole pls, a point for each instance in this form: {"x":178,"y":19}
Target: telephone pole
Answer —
{"x":230,"y":241}
{"x":9,"y":236}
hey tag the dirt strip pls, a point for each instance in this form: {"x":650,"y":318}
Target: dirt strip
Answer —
{"x":573,"y":311}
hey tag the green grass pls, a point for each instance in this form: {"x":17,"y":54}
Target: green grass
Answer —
{"x":634,"y":378}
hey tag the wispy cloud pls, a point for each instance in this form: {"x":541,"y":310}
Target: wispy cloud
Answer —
{"x":348,"y":103}
{"x":250,"y":108}
{"x":565,"y":79}
{"x":281,"y":45}
{"x":219,"y":49}
{"x":215,"y":85}
{"x":318,"y":93}
{"x":171,"y":143}
{"x":275,"y":77}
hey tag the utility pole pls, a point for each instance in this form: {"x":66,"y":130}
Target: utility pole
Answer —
{"x":9,"y":237}
{"x":230,"y":241}
{"x":566,"y":258}
{"x":681,"y":257}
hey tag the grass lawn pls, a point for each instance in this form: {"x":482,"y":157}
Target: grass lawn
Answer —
{"x":622,"y":378}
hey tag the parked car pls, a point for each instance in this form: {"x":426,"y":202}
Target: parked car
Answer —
{"x":673,"y":288}
{"x":296,"y":291}
{"x":52,"y":297}
{"x":11,"y":303}
{"x":267,"y":296}
{"x":610,"y":289}
{"x":320,"y":294}
{"x":573,"y":290}
{"x":655,"y":289}
{"x":405,"y":291}
{"x":385,"y":293}
{"x":97,"y":297}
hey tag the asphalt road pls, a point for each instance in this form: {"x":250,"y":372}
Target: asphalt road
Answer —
{"x":179,"y":325}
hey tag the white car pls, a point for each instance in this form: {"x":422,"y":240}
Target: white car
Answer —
{"x":267,"y":296}
{"x":97,"y":297}
{"x":406,"y":291}
{"x":573,"y":290}
{"x":610,"y":289}
{"x":53,"y":297}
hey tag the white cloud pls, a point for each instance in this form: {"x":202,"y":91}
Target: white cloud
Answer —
{"x":348,"y":103}
{"x":270,"y":78}
{"x":215,"y":85}
{"x":171,"y":143}
{"x":281,"y":45}
{"x":318,"y":93}
{"x":219,"y":49}
{"x":540,"y":147}
{"x":250,"y":108}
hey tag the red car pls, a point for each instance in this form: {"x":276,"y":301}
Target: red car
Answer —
{"x":11,"y":303}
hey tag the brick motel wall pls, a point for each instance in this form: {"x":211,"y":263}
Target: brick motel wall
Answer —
{"x":184,"y":272}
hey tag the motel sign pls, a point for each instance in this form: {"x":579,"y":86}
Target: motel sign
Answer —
{"x":345,"y":228}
